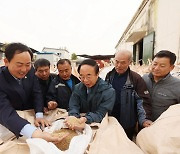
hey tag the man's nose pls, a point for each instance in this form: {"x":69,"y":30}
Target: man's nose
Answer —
{"x":156,"y":67}
{"x":119,"y":64}
{"x":44,"y":72}
{"x":64,"y":73}
{"x":24,"y":68}
{"x":85,"y":79}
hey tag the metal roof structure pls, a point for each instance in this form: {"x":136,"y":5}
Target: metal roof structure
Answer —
{"x":97,"y":57}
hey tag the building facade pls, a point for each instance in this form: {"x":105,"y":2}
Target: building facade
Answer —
{"x":61,"y":52}
{"x":53,"y":55}
{"x":154,"y":27}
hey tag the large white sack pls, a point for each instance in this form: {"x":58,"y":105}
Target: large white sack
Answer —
{"x":77,"y":145}
{"x":163,"y":137}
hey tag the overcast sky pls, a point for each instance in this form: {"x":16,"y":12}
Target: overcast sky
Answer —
{"x":82,"y":26}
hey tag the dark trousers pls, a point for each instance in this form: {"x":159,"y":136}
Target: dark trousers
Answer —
{"x":130,"y":132}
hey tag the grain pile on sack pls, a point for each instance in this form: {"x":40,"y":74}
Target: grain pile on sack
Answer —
{"x":64,"y":144}
{"x":73,"y":121}
{"x":72,"y":144}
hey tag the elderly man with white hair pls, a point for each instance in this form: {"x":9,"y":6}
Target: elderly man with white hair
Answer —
{"x":132,"y":97}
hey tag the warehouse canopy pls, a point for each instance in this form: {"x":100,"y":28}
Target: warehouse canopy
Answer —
{"x":97,"y":57}
{"x":136,"y":36}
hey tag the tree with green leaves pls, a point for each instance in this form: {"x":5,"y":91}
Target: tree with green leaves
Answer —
{"x":73,"y":56}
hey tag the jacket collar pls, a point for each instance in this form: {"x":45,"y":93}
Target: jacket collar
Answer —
{"x":164,"y":78}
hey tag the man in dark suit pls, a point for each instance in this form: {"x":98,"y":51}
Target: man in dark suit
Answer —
{"x":20,"y":90}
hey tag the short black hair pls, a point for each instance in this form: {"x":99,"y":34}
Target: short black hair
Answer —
{"x":41,"y":62}
{"x":62,"y":61}
{"x":167,"y":54}
{"x":13,"y":48}
{"x":89,"y":62}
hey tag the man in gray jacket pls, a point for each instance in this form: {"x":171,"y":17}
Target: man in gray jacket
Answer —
{"x":163,"y":87}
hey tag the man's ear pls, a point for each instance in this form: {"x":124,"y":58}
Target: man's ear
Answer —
{"x":98,"y":74}
{"x":172,"y":67}
{"x":6,"y":62}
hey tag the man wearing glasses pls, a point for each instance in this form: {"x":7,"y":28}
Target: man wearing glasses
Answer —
{"x":93,"y":96}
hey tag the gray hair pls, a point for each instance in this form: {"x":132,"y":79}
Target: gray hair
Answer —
{"x":125,"y":52}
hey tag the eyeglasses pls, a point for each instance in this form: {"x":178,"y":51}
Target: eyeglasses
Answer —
{"x":87,"y":77}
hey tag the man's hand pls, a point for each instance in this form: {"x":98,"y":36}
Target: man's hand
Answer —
{"x":75,"y":123}
{"x":52,"y":105}
{"x":147,"y":123}
{"x":46,"y":110}
{"x":47,"y":136}
{"x":41,"y":122}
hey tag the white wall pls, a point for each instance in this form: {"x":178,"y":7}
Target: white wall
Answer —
{"x":61,"y":52}
{"x":168,"y":26}
{"x":125,"y":45}
{"x":51,"y":57}
{"x":140,"y":24}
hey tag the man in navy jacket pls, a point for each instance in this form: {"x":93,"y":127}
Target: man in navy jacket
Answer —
{"x":42,"y":71}
{"x":20,"y":90}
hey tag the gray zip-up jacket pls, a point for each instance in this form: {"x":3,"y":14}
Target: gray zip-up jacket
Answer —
{"x":164,"y":93}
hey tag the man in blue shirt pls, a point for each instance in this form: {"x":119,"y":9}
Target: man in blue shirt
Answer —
{"x":62,"y":86}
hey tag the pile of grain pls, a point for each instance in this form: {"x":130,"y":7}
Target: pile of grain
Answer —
{"x":64,"y":143}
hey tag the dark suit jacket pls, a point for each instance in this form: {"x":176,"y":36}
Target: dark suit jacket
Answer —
{"x":18,"y":97}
